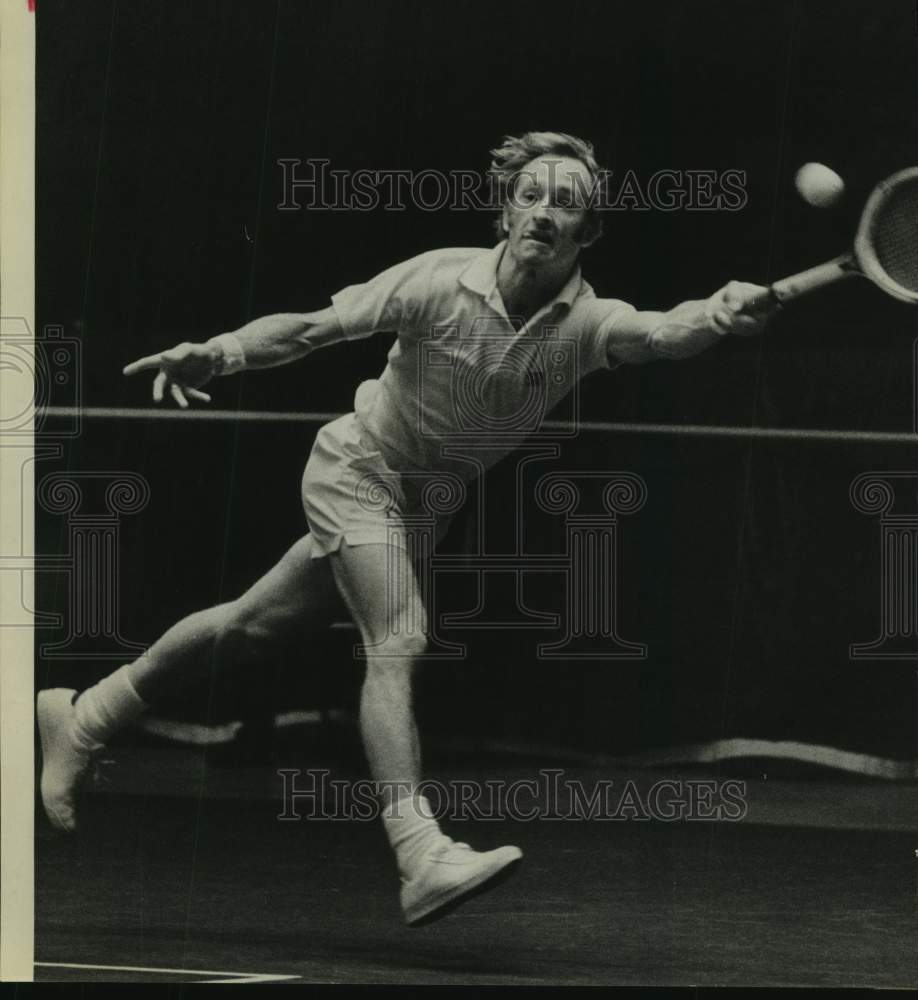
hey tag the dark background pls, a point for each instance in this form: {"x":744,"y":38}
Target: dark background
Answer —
{"x":748,"y":572}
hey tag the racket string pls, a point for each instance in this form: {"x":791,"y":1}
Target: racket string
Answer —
{"x":895,"y":235}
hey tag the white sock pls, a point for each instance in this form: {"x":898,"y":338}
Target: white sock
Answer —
{"x":107,"y":707}
{"x":411,"y":830}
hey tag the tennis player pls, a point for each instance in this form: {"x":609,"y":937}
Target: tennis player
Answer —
{"x":521,"y":292}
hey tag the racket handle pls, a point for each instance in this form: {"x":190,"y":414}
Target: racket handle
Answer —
{"x":816,"y":277}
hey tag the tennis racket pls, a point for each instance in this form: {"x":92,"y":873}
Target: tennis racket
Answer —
{"x":885,"y":248}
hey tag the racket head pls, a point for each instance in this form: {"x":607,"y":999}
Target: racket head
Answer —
{"x":886,"y":244}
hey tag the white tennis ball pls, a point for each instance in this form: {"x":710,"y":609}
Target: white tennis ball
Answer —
{"x":818,"y":185}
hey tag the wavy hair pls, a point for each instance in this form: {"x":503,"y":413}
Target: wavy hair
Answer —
{"x":508,"y":160}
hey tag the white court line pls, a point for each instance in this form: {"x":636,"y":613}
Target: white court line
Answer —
{"x":731,"y":748}
{"x":225,"y":977}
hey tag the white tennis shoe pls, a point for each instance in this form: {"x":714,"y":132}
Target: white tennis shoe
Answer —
{"x":451,"y":873}
{"x":66,"y":763}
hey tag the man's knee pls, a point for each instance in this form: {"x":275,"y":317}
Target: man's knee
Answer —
{"x":397,"y":648}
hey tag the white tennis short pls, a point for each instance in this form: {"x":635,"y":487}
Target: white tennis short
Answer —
{"x":350,"y":493}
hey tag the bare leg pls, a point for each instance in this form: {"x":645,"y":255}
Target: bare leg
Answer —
{"x":298,"y":593}
{"x":384,"y":600}
{"x":392,"y":622}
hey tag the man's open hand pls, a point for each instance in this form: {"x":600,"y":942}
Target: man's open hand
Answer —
{"x":182,"y":370}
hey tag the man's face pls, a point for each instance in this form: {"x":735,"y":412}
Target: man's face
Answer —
{"x":545,"y":217}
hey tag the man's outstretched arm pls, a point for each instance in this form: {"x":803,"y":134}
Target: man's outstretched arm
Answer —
{"x":691,"y":327}
{"x":263,"y":343}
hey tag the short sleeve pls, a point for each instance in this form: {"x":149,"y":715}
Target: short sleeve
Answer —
{"x":390,"y":301}
{"x":599,"y":328}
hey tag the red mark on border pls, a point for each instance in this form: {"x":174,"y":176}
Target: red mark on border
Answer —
{"x":32,"y":6}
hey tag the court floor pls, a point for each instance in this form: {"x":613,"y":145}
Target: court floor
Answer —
{"x":207,"y":884}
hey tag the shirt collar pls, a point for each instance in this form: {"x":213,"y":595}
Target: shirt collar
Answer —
{"x":480,"y":276}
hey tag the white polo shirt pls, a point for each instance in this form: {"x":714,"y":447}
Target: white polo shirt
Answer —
{"x":460,"y":378}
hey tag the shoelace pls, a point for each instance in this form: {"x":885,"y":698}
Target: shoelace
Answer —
{"x":445,"y":845}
